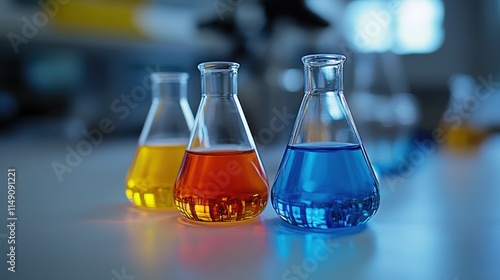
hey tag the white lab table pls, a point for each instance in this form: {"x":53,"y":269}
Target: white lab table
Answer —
{"x":441,"y":221}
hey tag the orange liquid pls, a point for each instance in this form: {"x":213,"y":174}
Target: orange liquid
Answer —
{"x":152,"y":175}
{"x":221,"y":186}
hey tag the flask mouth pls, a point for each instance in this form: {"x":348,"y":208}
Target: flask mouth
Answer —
{"x":161,"y":77}
{"x":218,"y":66}
{"x":323,"y":59}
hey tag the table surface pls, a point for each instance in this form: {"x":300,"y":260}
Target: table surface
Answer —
{"x":439,"y":220}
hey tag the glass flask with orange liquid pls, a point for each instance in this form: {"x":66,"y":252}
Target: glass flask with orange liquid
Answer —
{"x":325,"y":179}
{"x":162,"y":143}
{"x":221,"y":178}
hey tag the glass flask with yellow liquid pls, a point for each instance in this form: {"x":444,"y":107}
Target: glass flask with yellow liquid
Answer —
{"x":162,"y":143}
{"x":464,"y":133}
{"x":221,"y":178}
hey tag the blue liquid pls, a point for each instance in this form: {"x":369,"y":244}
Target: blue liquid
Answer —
{"x":323,"y":185}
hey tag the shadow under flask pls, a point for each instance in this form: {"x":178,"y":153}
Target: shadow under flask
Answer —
{"x":221,"y":178}
{"x":325,"y":179}
{"x":162,"y":143}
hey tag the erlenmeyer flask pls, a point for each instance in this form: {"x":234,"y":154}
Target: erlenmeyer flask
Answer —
{"x":389,"y":131}
{"x":221,"y":178}
{"x":325,"y":179}
{"x":463,"y":133}
{"x":162,"y":143}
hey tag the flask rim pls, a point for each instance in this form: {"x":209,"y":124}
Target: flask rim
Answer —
{"x":160,"y":77}
{"x":218,"y":66}
{"x":323,"y":59}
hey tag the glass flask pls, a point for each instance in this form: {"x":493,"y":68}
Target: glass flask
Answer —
{"x":389,"y":131}
{"x":325,"y":179}
{"x":162,"y":143}
{"x":221,"y":178}
{"x":461,"y":121}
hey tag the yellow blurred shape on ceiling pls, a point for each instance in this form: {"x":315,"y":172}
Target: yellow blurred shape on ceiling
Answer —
{"x":104,"y":17}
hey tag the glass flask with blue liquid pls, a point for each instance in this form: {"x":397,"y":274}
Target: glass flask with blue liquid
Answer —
{"x":325,"y":180}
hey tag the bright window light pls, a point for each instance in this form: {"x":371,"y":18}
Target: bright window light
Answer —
{"x":369,"y":26}
{"x":406,"y":26}
{"x":419,"y":27}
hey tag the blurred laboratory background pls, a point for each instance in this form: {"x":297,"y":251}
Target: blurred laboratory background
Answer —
{"x":416,"y":71}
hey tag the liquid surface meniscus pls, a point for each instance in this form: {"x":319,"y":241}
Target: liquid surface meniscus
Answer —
{"x":221,"y":186}
{"x":325,"y":186}
{"x":152,"y":175}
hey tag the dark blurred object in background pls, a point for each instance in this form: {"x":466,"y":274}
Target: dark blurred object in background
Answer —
{"x":65,"y":65}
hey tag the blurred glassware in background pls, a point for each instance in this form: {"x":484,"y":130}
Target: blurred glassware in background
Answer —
{"x":466,"y":126}
{"x":162,"y":143}
{"x":386,"y":113}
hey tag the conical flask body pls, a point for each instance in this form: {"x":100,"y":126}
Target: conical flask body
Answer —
{"x":162,"y":144}
{"x":325,"y":179}
{"x":221,"y":178}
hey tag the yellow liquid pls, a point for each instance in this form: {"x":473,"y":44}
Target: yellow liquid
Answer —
{"x":465,"y":138}
{"x":151,"y":177}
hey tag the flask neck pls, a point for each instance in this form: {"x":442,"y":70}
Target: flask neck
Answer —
{"x":170,"y":86}
{"x":323,"y":73}
{"x":219,"y":78}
